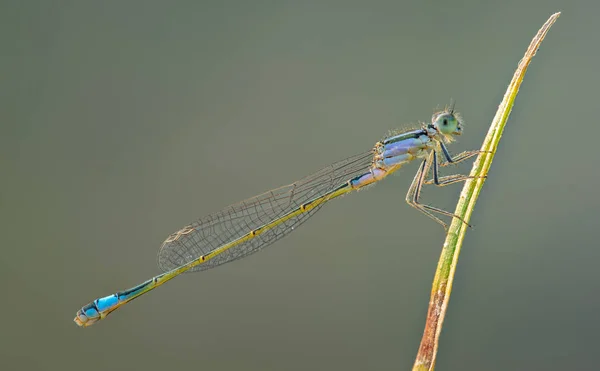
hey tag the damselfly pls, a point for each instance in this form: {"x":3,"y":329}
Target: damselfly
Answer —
{"x":249,"y":226}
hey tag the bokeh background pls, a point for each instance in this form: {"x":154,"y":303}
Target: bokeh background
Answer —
{"x":121,"y":121}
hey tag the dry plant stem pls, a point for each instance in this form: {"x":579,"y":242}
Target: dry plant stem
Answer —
{"x":444,"y":275}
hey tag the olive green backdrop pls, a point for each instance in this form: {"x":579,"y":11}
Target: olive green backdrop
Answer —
{"x":122,"y":121}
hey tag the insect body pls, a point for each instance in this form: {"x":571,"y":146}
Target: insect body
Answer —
{"x":249,"y":226}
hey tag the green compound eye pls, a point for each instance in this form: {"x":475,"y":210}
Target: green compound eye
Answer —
{"x":447,"y":123}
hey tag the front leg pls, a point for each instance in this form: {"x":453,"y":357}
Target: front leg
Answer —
{"x":449,"y":179}
{"x":449,"y":160}
{"x":414,"y":193}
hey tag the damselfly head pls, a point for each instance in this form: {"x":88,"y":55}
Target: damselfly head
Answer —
{"x":447,"y":122}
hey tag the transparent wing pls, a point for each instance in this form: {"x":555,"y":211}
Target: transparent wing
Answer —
{"x":235,"y":221}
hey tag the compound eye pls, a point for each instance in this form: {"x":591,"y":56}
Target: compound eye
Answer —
{"x":447,"y":124}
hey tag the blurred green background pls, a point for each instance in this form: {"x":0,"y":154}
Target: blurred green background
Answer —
{"x":122,"y":121}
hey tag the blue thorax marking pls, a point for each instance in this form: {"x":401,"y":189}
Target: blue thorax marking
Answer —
{"x":414,"y":134}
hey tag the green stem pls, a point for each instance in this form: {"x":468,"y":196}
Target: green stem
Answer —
{"x":444,"y":275}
